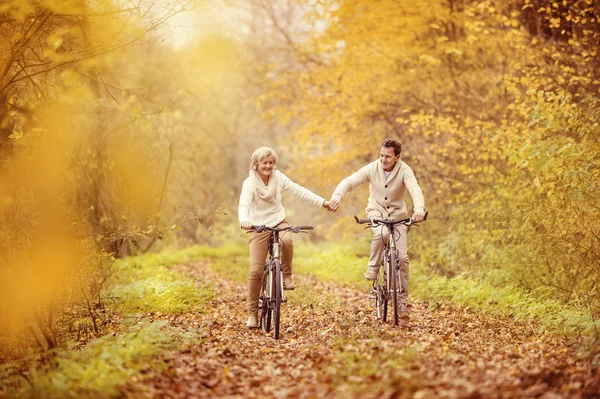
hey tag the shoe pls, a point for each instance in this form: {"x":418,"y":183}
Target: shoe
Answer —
{"x":252,"y":321}
{"x":371,"y":273}
{"x":288,"y":283}
{"x":403,"y":311}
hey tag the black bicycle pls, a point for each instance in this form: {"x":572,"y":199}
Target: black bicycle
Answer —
{"x":271,"y":294}
{"x":388,"y":284}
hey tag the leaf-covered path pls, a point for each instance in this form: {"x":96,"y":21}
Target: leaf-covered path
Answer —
{"x":333,"y":346}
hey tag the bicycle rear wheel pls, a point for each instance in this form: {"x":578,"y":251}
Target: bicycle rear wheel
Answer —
{"x":277,"y":296}
{"x":265,"y":308}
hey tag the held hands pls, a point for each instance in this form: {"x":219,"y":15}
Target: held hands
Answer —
{"x":329,"y":205}
{"x":333,"y":205}
{"x":246,"y":225}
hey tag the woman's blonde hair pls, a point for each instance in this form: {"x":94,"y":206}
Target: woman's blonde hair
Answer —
{"x":260,"y":154}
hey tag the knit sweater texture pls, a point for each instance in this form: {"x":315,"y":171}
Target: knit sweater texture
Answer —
{"x":257,"y":211}
{"x":386,"y":196}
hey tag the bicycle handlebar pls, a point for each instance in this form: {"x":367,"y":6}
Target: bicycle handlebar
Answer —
{"x":293,"y":229}
{"x":389,"y":222}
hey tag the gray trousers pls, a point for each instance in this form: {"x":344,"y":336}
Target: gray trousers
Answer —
{"x":381,"y":235}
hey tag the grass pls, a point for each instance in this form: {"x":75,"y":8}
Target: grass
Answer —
{"x":342,"y":263}
{"x":234,"y":268}
{"x":146,"y":283}
{"x":104,"y":365}
{"x":139,"y":284}
{"x":508,"y":301}
{"x":160,"y":293}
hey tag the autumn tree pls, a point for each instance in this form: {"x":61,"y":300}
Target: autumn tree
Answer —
{"x":496,"y":106}
{"x":79,"y":175}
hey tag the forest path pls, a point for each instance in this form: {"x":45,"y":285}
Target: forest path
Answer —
{"x":332,"y":345}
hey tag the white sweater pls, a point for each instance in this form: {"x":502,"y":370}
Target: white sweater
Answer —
{"x":257,"y":211}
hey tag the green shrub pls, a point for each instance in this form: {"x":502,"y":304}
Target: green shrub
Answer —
{"x":104,"y":365}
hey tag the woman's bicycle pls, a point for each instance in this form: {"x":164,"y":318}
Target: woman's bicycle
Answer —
{"x":271,"y":294}
{"x":388,"y":284}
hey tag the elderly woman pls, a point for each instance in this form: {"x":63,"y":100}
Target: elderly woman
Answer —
{"x":260,"y":204}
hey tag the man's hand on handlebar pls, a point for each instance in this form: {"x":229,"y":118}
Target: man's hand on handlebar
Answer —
{"x":246,"y":225}
{"x":418,"y":217}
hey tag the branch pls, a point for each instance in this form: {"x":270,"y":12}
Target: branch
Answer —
{"x":31,"y":79}
{"x":22,"y":43}
{"x":35,"y":337}
{"x":162,"y":195}
{"x":88,"y":307}
{"x":100,"y":14}
{"x":108,"y":86}
{"x":585,"y":249}
{"x":50,"y":339}
{"x":76,"y":60}
{"x":105,"y":86}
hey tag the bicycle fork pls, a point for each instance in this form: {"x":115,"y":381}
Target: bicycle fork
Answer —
{"x":276,"y":256}
{"x":391,"y":253}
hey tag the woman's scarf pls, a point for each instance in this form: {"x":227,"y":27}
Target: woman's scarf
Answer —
{"x":266,"y":193}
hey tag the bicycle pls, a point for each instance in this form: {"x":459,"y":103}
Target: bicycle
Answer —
{"x":388,"y":284}
{"x":271,"y":294}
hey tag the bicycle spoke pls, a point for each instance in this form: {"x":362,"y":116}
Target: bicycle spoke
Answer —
{"x":277,"y":288}
{"x":382,"y":281}
{"x":394,"y":285}
{"x":265,"y":315}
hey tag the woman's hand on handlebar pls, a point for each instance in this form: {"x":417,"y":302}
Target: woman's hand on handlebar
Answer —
{"x":246,"y":225}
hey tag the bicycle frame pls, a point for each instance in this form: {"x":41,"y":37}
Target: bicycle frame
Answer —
{"x":274,"y":267}
{"x":388,"y":284}
{"x":389,"y":249}
{"x":272,"y":289}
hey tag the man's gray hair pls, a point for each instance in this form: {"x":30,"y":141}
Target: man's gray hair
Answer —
{"x":260,"y":154}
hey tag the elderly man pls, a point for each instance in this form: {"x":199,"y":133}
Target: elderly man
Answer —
{"x":388,"y":179}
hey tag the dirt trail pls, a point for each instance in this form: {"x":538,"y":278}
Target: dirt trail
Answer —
{"x":332,"y":346}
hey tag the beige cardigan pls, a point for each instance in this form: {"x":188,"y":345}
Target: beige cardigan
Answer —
{"x":388,"y":196}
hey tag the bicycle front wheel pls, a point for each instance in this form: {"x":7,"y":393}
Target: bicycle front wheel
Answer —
{"x":277,"y":296}
{"x":265,"y":296}
{"x":382,"y":299}
{"x":395,"y":285}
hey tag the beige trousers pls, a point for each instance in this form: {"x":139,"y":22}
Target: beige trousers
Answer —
{"x":381,"y":235}
{"x":259,"y":248}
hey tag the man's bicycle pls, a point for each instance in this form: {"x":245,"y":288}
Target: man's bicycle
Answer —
{"x":388,"y":284}
{"x":271,"y":294}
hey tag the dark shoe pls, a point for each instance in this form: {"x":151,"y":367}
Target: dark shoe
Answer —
{"x":403,"y":311}
{"x":371,"y":273}
{"x":288,"y":283}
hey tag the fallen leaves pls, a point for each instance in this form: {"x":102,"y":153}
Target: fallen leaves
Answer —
{"x":332,"y":345}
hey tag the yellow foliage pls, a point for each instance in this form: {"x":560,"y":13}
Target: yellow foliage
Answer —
{"x":497,"y":110}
